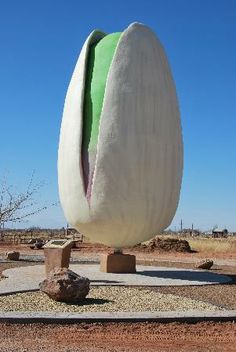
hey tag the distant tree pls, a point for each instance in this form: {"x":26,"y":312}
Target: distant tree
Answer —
{"x":16,"y":206}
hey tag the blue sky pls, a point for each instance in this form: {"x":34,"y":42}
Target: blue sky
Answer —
{"x":40,"y":43}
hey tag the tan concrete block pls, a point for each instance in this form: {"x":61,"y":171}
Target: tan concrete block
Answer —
{"x":118,"y":263}
{"x":56,"y":257}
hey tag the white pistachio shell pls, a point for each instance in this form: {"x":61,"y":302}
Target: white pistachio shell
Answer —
{"x":139,"y":162}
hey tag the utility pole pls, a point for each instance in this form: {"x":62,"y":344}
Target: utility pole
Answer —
{"x":181,"y":225}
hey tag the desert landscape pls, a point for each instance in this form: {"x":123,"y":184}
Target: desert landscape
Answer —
{"x":198,"y":336}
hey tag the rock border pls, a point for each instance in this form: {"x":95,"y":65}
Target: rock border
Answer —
{"x":127,"y":317}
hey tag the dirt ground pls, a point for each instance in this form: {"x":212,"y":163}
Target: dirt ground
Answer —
{"x":89,"y":248}
{"x":200,"y":337}
{"x":173,"y":337}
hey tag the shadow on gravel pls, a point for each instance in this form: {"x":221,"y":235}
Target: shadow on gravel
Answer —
{"x":106,"y":281}
{"x":91,"y":301}
{"x":233,"y":278}
{"x":183,"y":275}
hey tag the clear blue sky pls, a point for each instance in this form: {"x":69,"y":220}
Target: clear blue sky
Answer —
{"x":40,"y":43}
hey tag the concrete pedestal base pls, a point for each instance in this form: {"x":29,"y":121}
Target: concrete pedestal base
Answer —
{"x":117,"y":263}
{"x":55,"y":257}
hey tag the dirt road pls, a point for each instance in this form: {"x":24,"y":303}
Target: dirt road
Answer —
{"x":200,"y":337}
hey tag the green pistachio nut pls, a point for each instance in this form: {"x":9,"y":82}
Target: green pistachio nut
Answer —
{"x":120,"y":157}
{"x":98,"y":63}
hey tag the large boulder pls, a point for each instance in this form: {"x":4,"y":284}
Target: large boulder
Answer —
{"x":204,"y":264}
{"x":12,"y":255}
{"x":64,"y":285}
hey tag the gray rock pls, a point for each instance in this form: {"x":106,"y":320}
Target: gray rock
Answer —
{"x":12,"y":255}
{"x":36,"y":243}
{"x":39,"y":244}
{"x":205,"y":264}
{"x":64,"y":285}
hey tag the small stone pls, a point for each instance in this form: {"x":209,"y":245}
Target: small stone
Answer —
{"x":204,"y":264}
{"x":39,"y":244}
{"x":12,"y":255}
{"x":64,"y":285}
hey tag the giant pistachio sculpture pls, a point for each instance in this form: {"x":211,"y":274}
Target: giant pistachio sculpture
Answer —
{"x":120,"y":152}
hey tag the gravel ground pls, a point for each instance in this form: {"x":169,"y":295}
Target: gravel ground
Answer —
{"x":222,"y":295}
{"x":105,"y":299}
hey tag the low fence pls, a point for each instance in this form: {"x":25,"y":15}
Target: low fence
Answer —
{"x":23,"y":237}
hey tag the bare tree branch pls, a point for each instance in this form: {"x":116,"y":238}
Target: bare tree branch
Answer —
{"x":17,"y":207}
